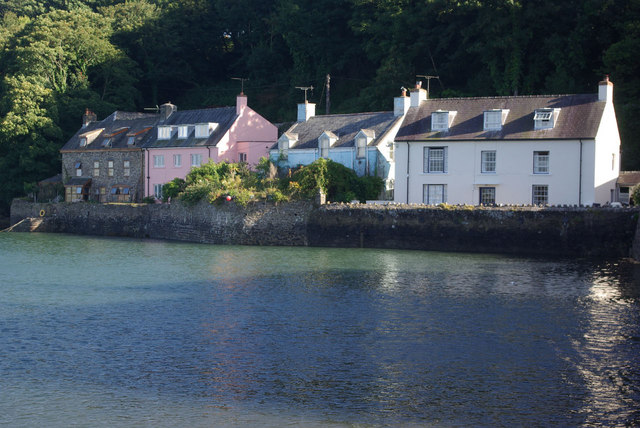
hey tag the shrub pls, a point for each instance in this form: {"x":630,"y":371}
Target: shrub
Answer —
{"x":173,"y":188}
{"x":635,"y":195}
{"x":197,"y":191}
{"x":149,"y":200}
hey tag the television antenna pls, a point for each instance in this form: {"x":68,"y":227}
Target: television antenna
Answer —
{"x":428,"y":80}
{"x":305,"y":89}
{"x":156,"y":108}
{"x":242,"y":80}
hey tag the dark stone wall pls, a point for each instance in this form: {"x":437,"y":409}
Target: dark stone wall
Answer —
{"x":567,"y":232}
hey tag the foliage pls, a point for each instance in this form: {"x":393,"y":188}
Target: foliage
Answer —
{"x":635,"y":195}
{"x":173,"y":188}
{"x":149,"y":200}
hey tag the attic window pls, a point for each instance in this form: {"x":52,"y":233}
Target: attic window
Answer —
{"x":83,"y":142}
{"x":106,"y":142}
{"x":164,"y":132}
{"x":131,"y":141}
{"x":361,"y":147}
{"x":204,"y":130}
{"x":545,"y":118}
{"x":493,"y":119}
{"x":441,"y":120}
{"x":183,"y":131}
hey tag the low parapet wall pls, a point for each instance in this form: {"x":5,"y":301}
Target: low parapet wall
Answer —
{"x":571,"y":232}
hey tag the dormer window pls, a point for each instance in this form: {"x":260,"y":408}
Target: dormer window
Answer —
{"x":326,"y":140}
{"x":106,"y":142}
{"x":441,"y":120}
{"x":285,"y":142}
{"x":183,"y":131}
{"x":363,"y":138}
{"x":131,"y":141}
{"x":204,"y":130}
{"x":83,"y":142}
{"x":164,"y":132}
{"x":494,"y":119}
{"x":545,"y":118}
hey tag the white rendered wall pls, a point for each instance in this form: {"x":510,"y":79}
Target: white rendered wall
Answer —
{"x":607,"y":156}
{"x":514,"y":175}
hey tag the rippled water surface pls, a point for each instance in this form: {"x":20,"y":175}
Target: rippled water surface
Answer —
{"x":114,"y":332}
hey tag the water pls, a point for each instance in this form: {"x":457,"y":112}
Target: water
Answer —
{"x":117,"y":332}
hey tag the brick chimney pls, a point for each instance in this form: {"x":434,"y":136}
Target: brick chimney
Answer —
{"x":167,"y":109}
{"x":305,"y":111}
{"x":88,"y":117}
{"x":418,"y":95}
{"x":605,"y":90}
{"x":401,"y":104}
{"x":241,"y":103}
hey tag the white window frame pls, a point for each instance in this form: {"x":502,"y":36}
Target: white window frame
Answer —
{"x":440,"y":121}
{"x":434,"y":194}
{"x":157,"y":191}
{"x":493,"y":120}
{"x":487,"y":164}
{"x":126,"y":168}
{"x":196,"y":159}
{"x":361,"y":147}
{"x":96,"y":168}
{"x":177,"y":161}
{"x":183,"y":132}
{"x":540,"y":194}
{"x":432,"y":160}
{"x":164,"y":132}
{"x":541,"y":162}
{"x":323,"y":144}
{"x":158,"y":161}
{"x":110,"y":169}
{"x":487,"y":191}
{"x":242,"y":157}
{"x":545,"y":118}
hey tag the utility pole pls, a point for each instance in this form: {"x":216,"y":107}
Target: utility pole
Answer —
{"x":328,"y":103}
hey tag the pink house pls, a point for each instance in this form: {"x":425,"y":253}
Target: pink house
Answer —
{"x":184,"y":139}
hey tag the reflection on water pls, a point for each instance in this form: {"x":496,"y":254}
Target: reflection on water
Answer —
{"x":125,"y":332}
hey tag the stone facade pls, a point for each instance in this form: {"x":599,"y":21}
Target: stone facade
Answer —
{"x":109,"y":184}
{"x":565,"y":232}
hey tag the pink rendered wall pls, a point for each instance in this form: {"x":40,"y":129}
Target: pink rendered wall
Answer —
{"x":251,"y":134}
{"x":169,"y":172}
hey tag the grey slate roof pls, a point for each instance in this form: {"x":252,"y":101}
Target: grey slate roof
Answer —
{"x":344,"y":126}
{"x":127,"y":122}
{"x":223,"y":116}
{"x":579,"y":118}
{"x":629,"y":178}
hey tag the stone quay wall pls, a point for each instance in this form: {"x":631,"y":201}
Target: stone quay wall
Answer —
{"x":556,"y":231}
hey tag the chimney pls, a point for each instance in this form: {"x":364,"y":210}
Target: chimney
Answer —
{"x":241,"y":103}
{"x":167,"y":110}
{"x":418,"y":95}
{"x":88,"y":117}
{"x":605,"y":90}
{"x":401,"y":104}
{"x":306,"y":111}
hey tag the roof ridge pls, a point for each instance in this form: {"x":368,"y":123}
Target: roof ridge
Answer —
{"x":504,"y":97}
{"x":351,"y":114}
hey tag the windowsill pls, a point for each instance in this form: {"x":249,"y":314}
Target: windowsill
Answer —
{"x":488,"y":172}
{"x":434,"y":173}
{"x":158,"y":167}
{"x":540,"y":173}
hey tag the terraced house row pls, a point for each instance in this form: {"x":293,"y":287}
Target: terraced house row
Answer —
{"x":555,"y":149}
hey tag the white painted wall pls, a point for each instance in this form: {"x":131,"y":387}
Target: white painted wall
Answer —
{"x":514,"y":175}
{"x":607,"y":155}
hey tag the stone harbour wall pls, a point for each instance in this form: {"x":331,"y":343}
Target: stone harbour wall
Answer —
{"x":564,"y":232}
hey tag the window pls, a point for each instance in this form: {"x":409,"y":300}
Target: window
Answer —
{"x":440,"y":121}
{"x":435,"y":159}
{"x":196,"y":160}
{"x":242,"y":157}
{"x":78,"y":169}
{"x":202,"y":130}
{"x":361,"y":147}
{"x":183,"y":131}
{"x":164,"y":132}
{"x":283,"y":147}
{"x":83,"y":142}
{"x":487,"y":196}
{"x":540,"y":194}
{"x":127,"y":168}
{"x":110,"y":168}
{"x":488,"y":161}
{"x":157,"y":191}
{"x":96,"y":169}
{"x":106,"y":142}
{"x":541,"y":162}
{"x":493,"y":120}
{"x":324,"y":147}
{"x":435,"y":194}
{"x":545,"y":118}
{"x":177,"y":161}
{"x":158,"y":161}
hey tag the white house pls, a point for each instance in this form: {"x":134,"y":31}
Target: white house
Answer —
{"x":360,"y":141}
{"x":552,"y":149}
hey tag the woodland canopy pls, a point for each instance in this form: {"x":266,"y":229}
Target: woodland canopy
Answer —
{"x":59,"y":57}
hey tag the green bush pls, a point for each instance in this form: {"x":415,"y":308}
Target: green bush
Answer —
{"x":173,"y":188}
{"x":195,"y":192}
{"x":635,"y":195}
